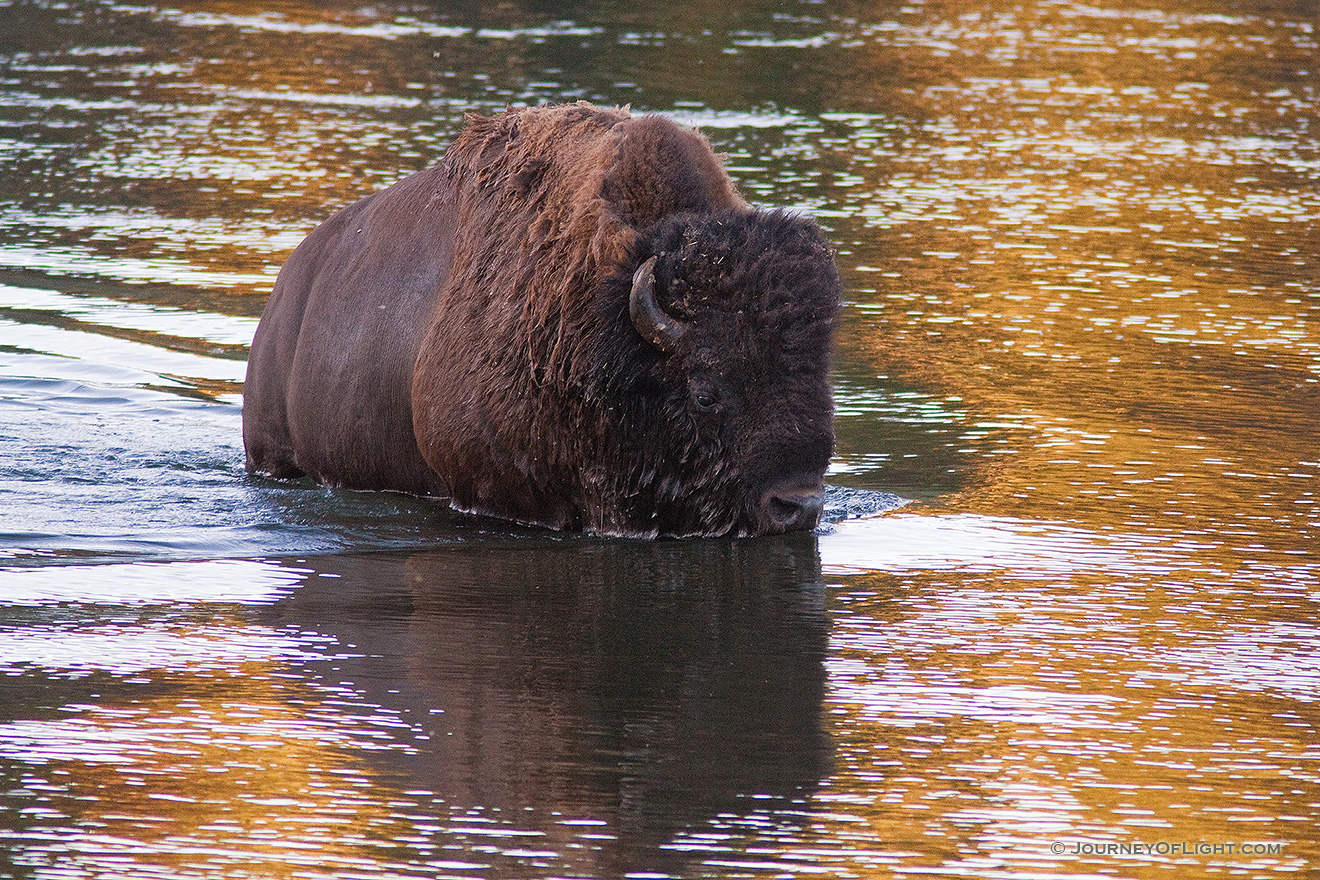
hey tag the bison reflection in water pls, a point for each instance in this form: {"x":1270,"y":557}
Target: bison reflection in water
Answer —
{"x":648,"y":686}
{"x":572,"y":320}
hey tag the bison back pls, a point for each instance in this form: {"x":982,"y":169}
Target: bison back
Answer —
{"x":329,"y":376}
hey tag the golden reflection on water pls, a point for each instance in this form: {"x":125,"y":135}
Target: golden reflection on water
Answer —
{"x":1008,"y":715}
{"x":1099,"y":238}
{"x":211,"y":779}
{"x":199,"y":749}
{"x":1102,"y":239}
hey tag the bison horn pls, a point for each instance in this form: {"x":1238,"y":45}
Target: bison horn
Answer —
{"x":656,"y":327}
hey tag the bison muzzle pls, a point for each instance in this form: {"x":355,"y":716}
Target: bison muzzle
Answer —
{"x":572,"y":320}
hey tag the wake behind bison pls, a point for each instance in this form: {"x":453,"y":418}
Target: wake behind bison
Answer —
{"x":573,"y":320}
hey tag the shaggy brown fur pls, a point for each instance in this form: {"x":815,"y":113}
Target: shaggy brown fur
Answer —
{"x":467,"y":331}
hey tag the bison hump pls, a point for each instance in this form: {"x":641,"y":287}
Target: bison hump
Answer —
{"x":562,"y":163}
{"x":661,"y":168}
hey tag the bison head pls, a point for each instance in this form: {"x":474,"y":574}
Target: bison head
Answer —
{"x":714,"y":382}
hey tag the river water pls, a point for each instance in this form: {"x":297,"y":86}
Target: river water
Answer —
{"x":1082,"y":336}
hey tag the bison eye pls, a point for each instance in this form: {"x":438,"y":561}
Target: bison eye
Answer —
{"x":706,"y":401}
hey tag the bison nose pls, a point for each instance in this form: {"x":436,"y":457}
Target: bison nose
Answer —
{"x":792,"y":507}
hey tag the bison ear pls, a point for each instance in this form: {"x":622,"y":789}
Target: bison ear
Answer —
{"x":651,"y":321}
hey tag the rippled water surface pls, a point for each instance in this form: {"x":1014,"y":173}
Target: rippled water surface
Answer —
{"x":1082,"y":334}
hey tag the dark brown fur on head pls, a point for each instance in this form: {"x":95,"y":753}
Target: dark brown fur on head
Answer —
{"x":741,"y":403}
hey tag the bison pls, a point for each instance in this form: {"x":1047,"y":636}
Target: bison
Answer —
{"x":572,"y":320}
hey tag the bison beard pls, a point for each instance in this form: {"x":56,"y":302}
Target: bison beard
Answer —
{"x":572,"y":320}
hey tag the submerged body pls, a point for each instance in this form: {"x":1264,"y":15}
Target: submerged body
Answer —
{"x":572,"y":320}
